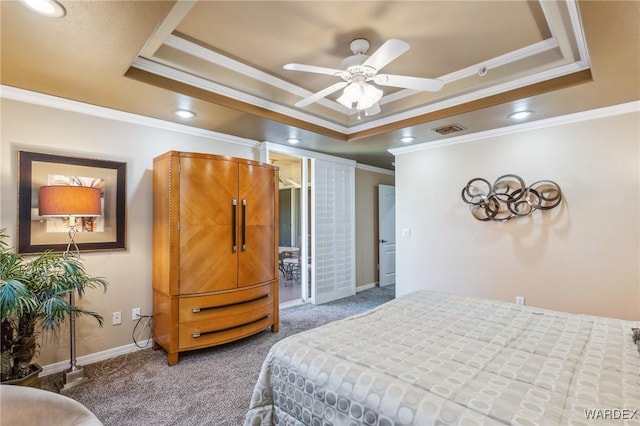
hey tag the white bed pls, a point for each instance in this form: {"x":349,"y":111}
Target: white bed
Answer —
{"x":431,"y":358}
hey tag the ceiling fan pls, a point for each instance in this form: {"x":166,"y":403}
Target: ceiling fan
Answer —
{"x":359,"y":71}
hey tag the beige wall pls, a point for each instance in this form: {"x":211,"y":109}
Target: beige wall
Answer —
{"x":582,"y":257}
{"x":42,"y":129}
{"x":367,"y":182}
{"x":30,"y":127}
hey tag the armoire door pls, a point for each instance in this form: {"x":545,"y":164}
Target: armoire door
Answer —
{"x":208,"y":224}
{"x":257,"y":217}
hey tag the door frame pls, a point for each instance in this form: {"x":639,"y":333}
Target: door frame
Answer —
{"x":306,"y":251}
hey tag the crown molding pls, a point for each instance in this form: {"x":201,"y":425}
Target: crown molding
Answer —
{"x":604,"y":112}
{"x":303,"y":153}
{"x":374,"y":169}
{"x":195,"y":50}
{"x":215,"y":58}
{"x":16,"y":94}
{"x":474,"y":96}
{"x":213,"y":87}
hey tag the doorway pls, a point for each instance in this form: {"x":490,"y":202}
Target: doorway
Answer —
{"x":321,"y":254}
{"x":290,"y":224}
{"x":387,"y":234}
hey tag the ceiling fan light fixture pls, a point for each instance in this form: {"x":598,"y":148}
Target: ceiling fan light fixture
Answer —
{"x":360,"y":68}
{"x":351,"y":94}
{"x":344,"y":100}
{"x":50,"y":8}
{"x":370,"y":96}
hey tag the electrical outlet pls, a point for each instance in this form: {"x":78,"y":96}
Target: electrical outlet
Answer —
{"x":520,"y":300}
{"x":116,"y":318}
{"x":135,"y":314}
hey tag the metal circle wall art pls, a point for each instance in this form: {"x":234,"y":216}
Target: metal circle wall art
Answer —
{"x":508,"y":197}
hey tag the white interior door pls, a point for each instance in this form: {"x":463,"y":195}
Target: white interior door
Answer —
{"x":387,"y":234}
{"x":333,"y":231}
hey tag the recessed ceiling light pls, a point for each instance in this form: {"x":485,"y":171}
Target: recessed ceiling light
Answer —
{"x":519,"y":115}
{"x":293,"y":141}
{"x":407,"y":139}
{"x":49,"y":8}
{"x":184,"y":113}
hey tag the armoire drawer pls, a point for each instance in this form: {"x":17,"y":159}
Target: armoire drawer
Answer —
{"x":201,"y":308}
{"x":225,"y":324}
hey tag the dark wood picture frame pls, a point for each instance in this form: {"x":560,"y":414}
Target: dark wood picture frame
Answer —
{"x":34,"y":169}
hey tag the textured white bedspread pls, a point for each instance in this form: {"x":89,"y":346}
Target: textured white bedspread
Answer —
{"x":431,"y":358}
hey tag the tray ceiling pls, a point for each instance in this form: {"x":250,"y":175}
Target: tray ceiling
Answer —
{"x":224,"y":61}
{"x":238,"y":49}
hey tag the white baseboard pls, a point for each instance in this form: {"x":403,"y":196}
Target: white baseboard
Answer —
{"x":366,"y":287}
{"x":95,"y":357}
{"x":132,"y":347}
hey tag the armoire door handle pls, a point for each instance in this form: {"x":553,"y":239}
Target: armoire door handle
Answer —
{"x":234,"y":228}
{"x":244,"y":224}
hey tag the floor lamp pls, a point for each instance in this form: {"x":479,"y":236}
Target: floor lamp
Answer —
{"x":71,"y":202}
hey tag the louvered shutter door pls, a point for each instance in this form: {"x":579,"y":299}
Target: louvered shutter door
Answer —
{"x":333,"y":230}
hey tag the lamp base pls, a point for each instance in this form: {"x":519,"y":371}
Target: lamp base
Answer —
{"x":74,"y":376}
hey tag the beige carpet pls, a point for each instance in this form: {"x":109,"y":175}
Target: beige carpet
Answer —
{"x":207,"y":387}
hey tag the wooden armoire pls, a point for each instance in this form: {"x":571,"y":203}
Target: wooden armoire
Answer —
{"x":215,"y":250}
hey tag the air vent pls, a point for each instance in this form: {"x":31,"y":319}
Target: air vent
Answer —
{"x":448,"y":129}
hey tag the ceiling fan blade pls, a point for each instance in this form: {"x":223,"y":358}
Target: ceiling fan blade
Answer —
{"x":406,"y":82}
{"x":386,"y":53}
{"x":321,"y":94}
{"x":312,"y":68}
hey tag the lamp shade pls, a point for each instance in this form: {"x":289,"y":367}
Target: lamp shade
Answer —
{"x":370,"y":95}
{"x":65,"y":200}
{"x":363,"y":94}
{"x":350,"y":95}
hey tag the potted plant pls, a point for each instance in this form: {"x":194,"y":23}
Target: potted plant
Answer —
{"x":34,"y":297}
